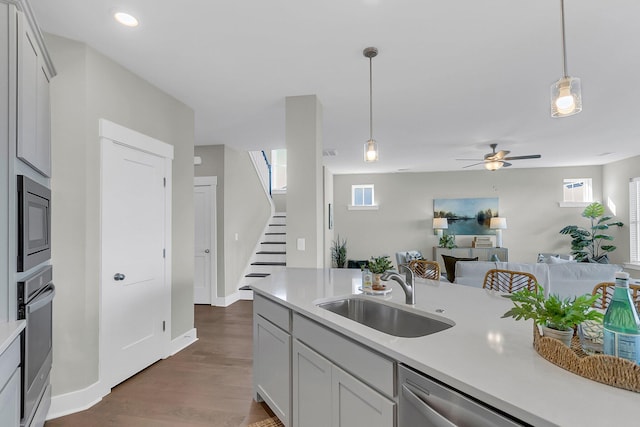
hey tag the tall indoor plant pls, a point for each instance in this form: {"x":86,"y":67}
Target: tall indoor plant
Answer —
{"x":339,"y":252}
{"x":588,"y":244}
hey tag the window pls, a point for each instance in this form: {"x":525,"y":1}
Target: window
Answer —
{"x":634,"y":220}
{"x":576,"y":192}
{"x":279,"y":170}
{"x":362,"y":197}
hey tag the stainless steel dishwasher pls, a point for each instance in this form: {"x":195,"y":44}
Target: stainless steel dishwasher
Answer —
{"x":425,"y":402}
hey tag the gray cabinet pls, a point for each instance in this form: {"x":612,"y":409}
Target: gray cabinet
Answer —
{"x":311,"y":388}
{"x":272,"y":356}
{"x":338,"y":382}
{"x":10,"y":385}
{"x":356,"y":404}
{"x":34,"y":127}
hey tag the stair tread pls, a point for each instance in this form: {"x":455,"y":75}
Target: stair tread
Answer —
{"x":269,"y":263}
{"x":275,"y":234}
{"x":271,"y":253}
{"x":273,"y":243}
{"x":277,"y":225}
{"x":256,"y":275}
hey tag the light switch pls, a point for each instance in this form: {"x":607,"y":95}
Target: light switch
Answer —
{"x":301,"y":243}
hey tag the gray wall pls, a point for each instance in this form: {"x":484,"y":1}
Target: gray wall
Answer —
{"x":243,"y":208}
{"x":616,"y":188}
{"x":528,"y":198}
{"x":90,"y":86}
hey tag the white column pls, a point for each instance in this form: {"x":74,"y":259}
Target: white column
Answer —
{"x":304,"y":182}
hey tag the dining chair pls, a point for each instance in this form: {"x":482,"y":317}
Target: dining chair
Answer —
{"x":425,"y":269}
{"x":606,"y":289}
{"x":509,"y":281}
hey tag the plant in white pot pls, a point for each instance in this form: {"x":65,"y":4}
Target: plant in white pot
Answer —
{"x":557,"y":317}
{"x":377,"y":266}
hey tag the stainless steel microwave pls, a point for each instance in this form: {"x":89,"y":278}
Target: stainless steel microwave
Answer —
{"x":34,"y":223}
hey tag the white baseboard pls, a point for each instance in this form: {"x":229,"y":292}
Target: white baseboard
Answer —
{"x":183,"y":341}
{"x":228,"y":300}
{"x":76,"y":401}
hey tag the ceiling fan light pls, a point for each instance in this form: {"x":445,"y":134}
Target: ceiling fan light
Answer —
{"x":493,"y":166}
{"x":371,"y":151}
{"x":566,"y":97}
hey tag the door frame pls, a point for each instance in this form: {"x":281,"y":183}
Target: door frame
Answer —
{"x":109,"y":132}
{"x":213,"y":273}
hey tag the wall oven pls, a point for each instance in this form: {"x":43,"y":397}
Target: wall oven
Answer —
{"x":34,"y":223}
{"x":35,"y":305}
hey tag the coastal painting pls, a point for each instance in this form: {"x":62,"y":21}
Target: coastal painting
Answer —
{"x":467,"y":216}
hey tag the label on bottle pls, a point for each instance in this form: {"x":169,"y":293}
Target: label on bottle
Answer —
{"x":626,"y":346}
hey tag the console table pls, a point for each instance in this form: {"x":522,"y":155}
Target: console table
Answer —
{"x":483,"y":254}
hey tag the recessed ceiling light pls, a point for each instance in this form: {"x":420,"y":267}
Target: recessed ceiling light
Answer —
{"x":126,"y":19}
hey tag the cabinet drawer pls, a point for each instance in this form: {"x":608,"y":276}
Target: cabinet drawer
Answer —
{"x":274,"y":312}
{"x":9,"y":361}
{"x":360,"y":361}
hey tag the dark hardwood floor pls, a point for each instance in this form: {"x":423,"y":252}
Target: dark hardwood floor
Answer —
{"x":206,"y":384}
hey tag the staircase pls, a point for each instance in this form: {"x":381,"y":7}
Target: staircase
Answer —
{"x":271,"y":255}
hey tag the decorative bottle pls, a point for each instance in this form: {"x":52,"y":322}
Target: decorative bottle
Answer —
{"x":621,"y":323}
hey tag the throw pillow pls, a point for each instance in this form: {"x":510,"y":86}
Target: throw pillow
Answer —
{"x":450,"y":265}
{"x":412,"y":256}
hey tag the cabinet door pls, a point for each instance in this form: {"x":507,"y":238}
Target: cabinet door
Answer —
{"x":10,"y":401}
{"x":311,"y":388}
{"x":356,"y":404}
{"x":272,"y":367}
{"x":34,"y":127}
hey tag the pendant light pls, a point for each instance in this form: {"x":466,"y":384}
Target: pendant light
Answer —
{"x":566,"y":97}
{"x":371,"y":146}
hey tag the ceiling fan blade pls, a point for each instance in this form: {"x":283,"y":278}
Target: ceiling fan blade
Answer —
{"x":532,"y":156}
{"x":506,"y":164}
{"x":475,"y":164}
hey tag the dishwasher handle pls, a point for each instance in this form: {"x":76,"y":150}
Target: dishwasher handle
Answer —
{"x":419,"y":400}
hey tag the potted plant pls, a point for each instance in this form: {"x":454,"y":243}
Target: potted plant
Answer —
{"x":557,"y":317}
{"x":377,"y":266}
{"x":587,"y":244}
{"x":447,"y":241}
{"x":339,"y":252}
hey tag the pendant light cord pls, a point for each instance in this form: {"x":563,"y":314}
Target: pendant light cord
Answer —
{"x":370,"y":99}
{"x":564,"y":43}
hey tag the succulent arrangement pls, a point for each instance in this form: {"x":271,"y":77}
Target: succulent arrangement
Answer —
{"x":378,"y":265}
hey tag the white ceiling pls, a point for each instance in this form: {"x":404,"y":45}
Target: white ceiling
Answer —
{"x":451,"y":76}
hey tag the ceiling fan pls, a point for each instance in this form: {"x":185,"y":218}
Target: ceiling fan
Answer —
{"x":497,"y":159}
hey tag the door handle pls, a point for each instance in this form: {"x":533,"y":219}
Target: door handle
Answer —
{"x":118,"y":276}
{"x":206,"y":251}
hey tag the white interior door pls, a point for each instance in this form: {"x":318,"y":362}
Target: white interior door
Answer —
{"x":135,"y":289}
{"x":204,"y":285}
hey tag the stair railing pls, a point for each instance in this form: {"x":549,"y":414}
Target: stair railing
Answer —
{"x":263,"y":169}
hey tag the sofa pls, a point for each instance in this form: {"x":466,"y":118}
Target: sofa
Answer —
{"x":567,"y":279}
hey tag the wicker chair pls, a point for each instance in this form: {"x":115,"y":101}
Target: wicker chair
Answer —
{"x":425,"y":269}
{"x":509,"y":281}
{"x":606,"y":289}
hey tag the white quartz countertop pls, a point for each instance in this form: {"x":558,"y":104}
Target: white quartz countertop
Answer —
{"x":9,"y":331}
{"x":483,"y":355}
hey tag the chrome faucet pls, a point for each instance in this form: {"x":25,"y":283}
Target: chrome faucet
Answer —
{"x":407,"y":282}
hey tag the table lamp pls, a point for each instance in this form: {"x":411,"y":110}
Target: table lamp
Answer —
{"x":498,"y":224}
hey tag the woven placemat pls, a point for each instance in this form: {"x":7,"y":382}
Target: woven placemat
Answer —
{"x":610,"y":370}
{"x":271,"y":422}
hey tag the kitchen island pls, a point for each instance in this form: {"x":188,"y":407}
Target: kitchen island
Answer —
{"x":483,"y":356}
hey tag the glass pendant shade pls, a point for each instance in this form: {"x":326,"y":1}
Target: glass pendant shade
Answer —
{"x":371,"y":151}
{"x":566,"y":97}
{"x":492,"y":166}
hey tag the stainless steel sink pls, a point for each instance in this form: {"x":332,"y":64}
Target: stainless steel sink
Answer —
{"x":386,"y":318}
